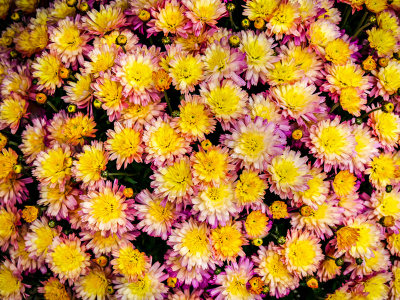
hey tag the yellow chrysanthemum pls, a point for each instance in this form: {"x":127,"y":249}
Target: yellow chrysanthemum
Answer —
{"x":376,"y":6}
{"x":321,"y":33}
{"x":12,"y":110}
{"x":4,"y":6}
{"x":100,"y":59}
{"x":284,"y":20}
{"x":171,"y":18}
{"x":382,"y":171}
{"x":79,"y":93}
{"x":27,"y":6}
{"x":250,"y":189}
{"x":284,"y":72}
{"x":11,"y":284}
{"x":106,"y":19}
{"x":78,"y":128}
{"x":351,"y":101}
{"x":344,"y":183}
{"x":383,"y":41}
{"x":61,"y":10}
{"x":260,"y":9}
{"x":186,"y":71}
{"x":93,"y":285}
{"x":387,"y":20}
{"x":279,"y":210}
{"x":338,"y":52}
{"x":387,"y":127}
{"x":8,"y":158}
{"x":389,"y":78}
{"x":264,"y":107}
{"x":256,"y":225}
{"x":53,"y":289}
{"x":46,"y":70}
{"x":376,"y":286}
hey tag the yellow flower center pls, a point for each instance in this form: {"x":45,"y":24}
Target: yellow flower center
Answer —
{"x":252,"y":144}
{"x":125,"y":143}
{"x":139,"y":75}
{"x":338,"y":52}
{"x":103,"y":61}
{"x":279,"y":209}
{"x":286,"y":172}
{"x":9,"y":284}
{"x":227,"y":241}
{"x":55,"y":290}
{"x":389,"y":204}
{"x":331,"y":141}
{"x":301,"y":253}
{"x":69,"y":38}
{"x":159,"y":213}
{"x":187,"y":70}
{"x":178,"y":177}
{"x":250,"y":187}
{"x":256,"y":222}
{"x":350,"y":100}
{"x":165,"y":139}
{"x":237,"y":287}
{"x":55,"y":165}
{"x":92,"y":163}
{"x":67,"y":258}
{"x":205,"y":11}
{"x":217,"y":60}
{"x":346,"y":76}
{"x":7,"y":225}
{"x":170,"y":18}
{"x":194,"y":119}
{"x":344,"y":183}
{"x":196,"y":242}
{"x":110,"y":93}
{"x":106,"y":208}
{"x":141,"y":287}
{"x":95,"y":284}
{"x":274,"y":265}
{"x":44,"y":239}
{"x":211,"y":165}
{"x":131,"y":262}
{"x":347,"y":237}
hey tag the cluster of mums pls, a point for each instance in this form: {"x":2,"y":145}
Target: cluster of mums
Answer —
{"x":307,"y":125}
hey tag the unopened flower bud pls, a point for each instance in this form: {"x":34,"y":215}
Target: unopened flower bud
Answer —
{"x":297,"y":134}
{"x":3,"y":141}
{"x":64,"y":73}
{"x":257,"y":242}
{"x":72,"y":3}
{"x":387,"y":221}
{"x":97,"y":104}
{"x":245,"y":24}
{"x":217,"y":271}
{"x":17,"y":169}
{"x":372,"y":19}
{"x":104,"y":174}
{"x":52,"y":223}
{"x":176,"y":113}
{"x":266,"y":290}
{"x":206,"y":144}
{"x":312,"y":282}
{"x":16,"y":17}
{"x":102,"y":261}
{"x":110,"y":290}
{"x":84,"y":7}
{"x":121,"y":40}
{"x":281,"y":240}
{"x":234,"y":41}
{"x":34,"y":81}
{"x":128,"y":192}
{"x":30,"y":213}
{"x":396,"y":55}
{"x":230,"y":7}
{"x":383,"y":62}
{"x":369,"y":64}
{"x":389,"y":188}
{"x":387,"y":107}
{"x":166,"y":40}
{"x":256,"y":285}
{"x":144,"y":15}
{"x":7,"y":41}
{"x":41,"y":98}
{"x":259,"y":24}
{"x":339,"y":261}
{"x":359,"y":121}
{"x":71,"y":108}
{"x":306,"y":211}
{"x":171,"y":282}
{"x":13,"y":54}
{"x":359,"y":261}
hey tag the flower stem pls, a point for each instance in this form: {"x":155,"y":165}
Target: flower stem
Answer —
{"x":362,"y":20}
{"x":122,"y":174}
{"x":233,"y":25}
{"x":123,"y":48}
{"x":346,"y":16}
{"x":52,"y":106}
{"x":13,"y":143}
{"x":334,"y":107}
{"x":167,"y":100}
{"x":359,"y":30}
{"x":371,"y":111}
{"x":330,"y":257}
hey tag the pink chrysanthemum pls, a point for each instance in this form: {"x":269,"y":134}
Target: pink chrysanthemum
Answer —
{"x":12,"y":110}
{"x":106,"y":19}
{"x":142,"y":114}
{"x":9,"y":222}
{"x":386,"y":80}
{"x":100,"y":59}
{"x":328,"y":269}
{"x":79,"y":93}
{"x":18,"y":81}
{"x":11,"y":285}
{"x":33,"y":139}
{"x":254,"y":143}
{"x":14,"y":189}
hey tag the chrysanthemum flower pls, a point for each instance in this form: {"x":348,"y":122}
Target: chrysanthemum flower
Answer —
{"x":328,"y":269}
{"x":260,"y":9}
{"x":174,"y":182}
{"x":195,"y":118}
{"x":186,"y":71}
{"x":284,"y":72}
{"x":393,"y":241}
{"x":344,"y":183}
{"x":18,"y":81}
{"x":263,"y":106}
{"x":107,"y":209}
{"x":106,"y":19}
{"x":124,"y":144}
{"x":58,"y":202}
{"x":69,"y":42}
{"x":386,"y":126}
{"x":110,"y":39}
{"x":302,"y":253}
{"x":149,"y":286}
{"x":53,"y":167}
{"x":259,"y":55}
{"x":190,"y":239}
{"x":366,"y":238}
{"x":257,"y":225}
{"x":100,"y":59}
{"x":318,"y":190}
{"x":389,"y":21}
{"x":163,"y":142}
{"x":377,"y":286}
{"x":130,"y":262}
{"x":382,"y":171}
{"x":77,"y":128}
{"x":170,"y":18}
{"x":383,"y":41}
{"x":353,"y":100}
{"x":254,"y":143}
{"x":11,"y":286}
{"x":39,"y":238}
{"x":203,"y":13}
{"x":320,"y":220}
{"x":338,"y":52}
{"x":232,"y":282}
{"x":67,"y":258}
{"x":155,"y":219}
{"x":142,"y":114}
{"x":46,"y":69}
{"x":31,"y":41}
{"x":89,"y":164}
{"x":93,"y":285}
{"x":250,"y":190}
{"x":380,"y":261}
{"x":4,"y":6}
{"x":134,"y":71}
{"x":298,"y":101}
{"x":309,"y":62}
{"x":270,"y":266}
{"x":8,"y":158}
{"x":9,"y":221}
{"x":320,"y":33}
{"x":284,"y":20}
{"x":12,"y":110}
{"x":215,"y":204}
{"x":395,"y":282}
{"x":185,"y":295}
{"x":382,"y":204}
{"x":332,"y":143}
{"x":79,"y":93}
{"x":386,"y":80}
{"x":288,"y":173}
{"x":109,"y":92}
{"x":341,"y":294}
{"x":53,"y":289}
{"x":14,"y":189}
{"x":211,"y":167}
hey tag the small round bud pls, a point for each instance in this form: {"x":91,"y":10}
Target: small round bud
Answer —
{"x":35,"y":81}
{"x":306,"y":211}
{"x":339,"y":261}
{"x":102,"y":261}
{"x":84,"y":7}
{"x":121,"y":40}
{"x":234,"y":41}
{"x":176,"y":113}
{"x":7,"y":41}
{"x":230,"y":7}
{"x":372,"y":19}
{"x":3,"y":141}
{"x":128,"y":193}
{"x":41,"y":98}
{"x":359,"y":121}
{"x":245,"y":24}
{"x":297,"y":134}
{"x":64,"y":73}
{"x":383,"y":62}
{"x":265,"y":289}
{"x":67,"y":231}
{"x":259,"y":24}
{"x":18,"y":168}
{"x":396,"y":55}
{"x":16,"y":17}
{"x":71,"y":108}
{"x":390,"y":2}
{"x":30,"y":213}
{"x":389,"y":188}
{"x":281,"y":240}
{"x":369,"y":64}
{"x":97,"y":104}
{"x":387,"y":221}
{"x":359,"y":261}
{"x":257,"y":242}
{"x":13,"y":54}
{"x":68,"y":162}
{"x":206,"y":144}
{"x":20,"y":159}
{"x":387,"y":107}
{"x":312,"y":282}
{"x":72,"y":3}
{"x":110,"y":290}
{"x":166,"y":40}
{"x":42,"y":209}
{"x":171,"y":282}
{"x":144,"y":15}
{"x":104,"y":174}
{"x":217,"y":271}
{"x":52,"y":223}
